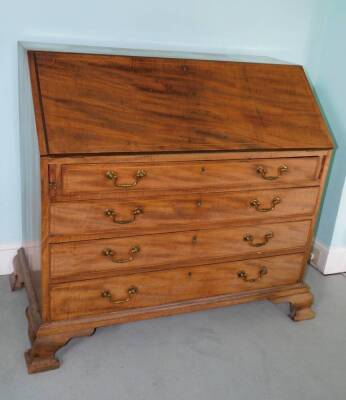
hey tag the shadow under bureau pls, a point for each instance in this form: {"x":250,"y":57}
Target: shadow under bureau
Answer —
{"x":156,"y":186}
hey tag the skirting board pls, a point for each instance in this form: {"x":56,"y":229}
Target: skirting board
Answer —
{"x":7,"y":253}
{"x":328,"y":260}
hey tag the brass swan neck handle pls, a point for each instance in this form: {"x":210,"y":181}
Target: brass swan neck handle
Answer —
{"x":113,"y":176}
{"x":256,"y":204}
{"x":109,"y":212}
{"x":251,"y":240}
{"x":262,"y":170}
{"x":131,"y":292}
{"x":132,"y":253}
{"x":244,"y":276}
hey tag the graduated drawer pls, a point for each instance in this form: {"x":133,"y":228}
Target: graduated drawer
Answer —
{"x":179,"y":211}
{"x":83,"y":260}
{"x":97,"y":296}
{"x":94,"y":180}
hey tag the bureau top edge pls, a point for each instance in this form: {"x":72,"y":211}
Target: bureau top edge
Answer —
{"x":150,"y":52}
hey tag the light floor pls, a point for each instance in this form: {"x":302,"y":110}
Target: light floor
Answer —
{"x":251,"y":352}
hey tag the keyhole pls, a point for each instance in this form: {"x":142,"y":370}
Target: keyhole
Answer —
{"x":202,"y":169}
{"x":194,"y":239}
{"x":189,"y":274}
{"x":199,"y":203}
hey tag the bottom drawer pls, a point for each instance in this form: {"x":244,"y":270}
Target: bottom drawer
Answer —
{"x":97,"y":296}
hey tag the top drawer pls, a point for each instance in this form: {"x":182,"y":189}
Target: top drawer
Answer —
{"x":95,"y":180}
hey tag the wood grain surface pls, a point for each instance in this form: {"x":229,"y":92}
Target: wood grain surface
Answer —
{"x":90,"y":179}
{"x":84,"y":260}
{"x":177,"y":212}
{"x":103,"y":104}
{"x":200,"y":130}
{"x":162,"y":287}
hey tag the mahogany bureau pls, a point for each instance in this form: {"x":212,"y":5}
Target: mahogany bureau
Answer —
{"x":165,"y":186}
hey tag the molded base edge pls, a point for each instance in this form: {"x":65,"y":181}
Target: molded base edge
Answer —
{"x":48,"y":337}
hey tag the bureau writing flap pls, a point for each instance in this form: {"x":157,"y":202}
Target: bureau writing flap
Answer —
{"x":114,"y":104}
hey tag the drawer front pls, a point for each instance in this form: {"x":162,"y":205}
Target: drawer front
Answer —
{"x":82,"y":260}
{"x":95,"y":180}
{"x":163,"y":287}
{"x":181,"y":211}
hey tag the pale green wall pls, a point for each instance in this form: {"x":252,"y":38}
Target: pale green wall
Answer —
{"x":326,"y":67}
{"x":274,"y":28}
{"x":290,"y":30}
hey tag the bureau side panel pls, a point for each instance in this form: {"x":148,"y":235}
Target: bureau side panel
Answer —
{"x":324,"y":171}
{"x":30,"y":175}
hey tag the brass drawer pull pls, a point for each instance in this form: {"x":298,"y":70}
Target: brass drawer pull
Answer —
{"x":256,"y":204}
{"x":113,"y":176}
{"x":261,"y":170}
{"x":109,"y":212}
{"x":132,"y":253}
{"x":131,"y":292}
{"x":243,"y":275}
{"x":251,"y":240}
